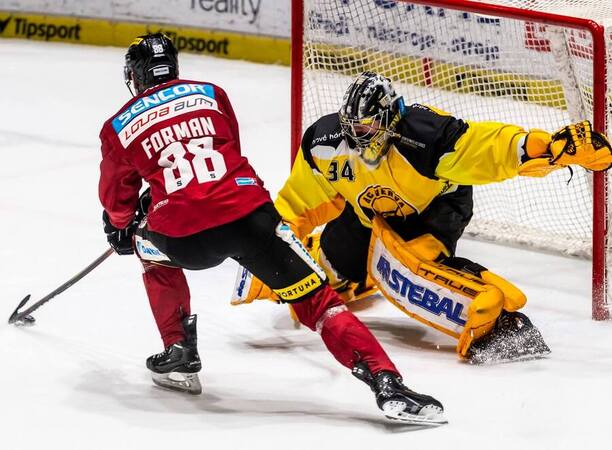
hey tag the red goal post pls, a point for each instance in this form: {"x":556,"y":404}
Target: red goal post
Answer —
{"x":593,"y":92}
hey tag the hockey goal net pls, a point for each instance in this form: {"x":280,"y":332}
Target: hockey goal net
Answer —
{"x":538,"y":64}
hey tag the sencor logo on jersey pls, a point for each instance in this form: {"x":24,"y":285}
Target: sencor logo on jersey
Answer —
{"x":204,"y":92}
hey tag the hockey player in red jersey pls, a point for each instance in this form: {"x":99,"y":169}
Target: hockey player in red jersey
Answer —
{"x":207,"y":204}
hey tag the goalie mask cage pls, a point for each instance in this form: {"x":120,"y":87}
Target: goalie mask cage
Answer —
{"x":534,"y":63}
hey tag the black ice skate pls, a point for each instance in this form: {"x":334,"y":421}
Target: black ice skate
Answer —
{"x":514,"y":338}
{"x":397,"y":402}
{"x":178,"y":365}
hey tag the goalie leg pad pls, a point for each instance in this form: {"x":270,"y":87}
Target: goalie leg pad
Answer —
{"x":457,"y":303}
{"x":514,"y":298}
{"x":248,"y":288}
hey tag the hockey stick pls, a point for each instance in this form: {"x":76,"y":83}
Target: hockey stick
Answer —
{"x":24,"y":318}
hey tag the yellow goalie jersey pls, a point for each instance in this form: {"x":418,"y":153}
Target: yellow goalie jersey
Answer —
{"x":433,"y":154}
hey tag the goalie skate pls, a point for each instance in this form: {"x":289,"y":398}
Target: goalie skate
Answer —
{"x":514,"y":338}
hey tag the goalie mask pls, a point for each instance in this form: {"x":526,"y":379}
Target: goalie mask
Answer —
{"x":369,"y":114}
{"x":150,"y":60}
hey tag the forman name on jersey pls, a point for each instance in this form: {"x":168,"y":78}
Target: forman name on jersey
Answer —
{"x":196,"y":127}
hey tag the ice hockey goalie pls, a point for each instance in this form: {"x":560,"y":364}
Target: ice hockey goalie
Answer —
{"x":392,"y":184}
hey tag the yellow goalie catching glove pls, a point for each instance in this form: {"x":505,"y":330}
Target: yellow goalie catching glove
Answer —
{"x":575,"y":144}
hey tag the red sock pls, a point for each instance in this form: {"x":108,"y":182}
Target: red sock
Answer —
{"x":350,"y":341}
{"x":169,"y":298}
{"x":345,"y":336}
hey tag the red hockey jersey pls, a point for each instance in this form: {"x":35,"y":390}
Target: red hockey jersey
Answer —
{"x":182,"y":138}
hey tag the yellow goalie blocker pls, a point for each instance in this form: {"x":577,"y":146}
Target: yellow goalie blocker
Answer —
{"x":452,"y":301}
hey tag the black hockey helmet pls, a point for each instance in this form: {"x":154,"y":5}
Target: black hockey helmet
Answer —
{"x":150,"y":60}
{"x":369,"y":114}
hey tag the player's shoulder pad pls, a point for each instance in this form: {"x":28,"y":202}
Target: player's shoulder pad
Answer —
{"x":211,"y":88}
{"x":324,"y":132}
{"x":425,"y":134}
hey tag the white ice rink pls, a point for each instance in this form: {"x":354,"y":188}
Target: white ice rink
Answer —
{"x":77,"y":379}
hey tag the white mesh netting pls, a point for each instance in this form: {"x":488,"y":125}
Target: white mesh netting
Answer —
{"x":477,"y":67}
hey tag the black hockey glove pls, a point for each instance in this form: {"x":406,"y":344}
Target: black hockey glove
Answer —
{"x":144,"y":201}
{"x":119,"y":239}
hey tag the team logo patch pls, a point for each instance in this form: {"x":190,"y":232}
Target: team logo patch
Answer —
{"x":383,"y":201}
{"x":245,"y":181}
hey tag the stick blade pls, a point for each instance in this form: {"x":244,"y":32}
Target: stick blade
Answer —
{"x":25,"y":321}
{"x":13,"y":318}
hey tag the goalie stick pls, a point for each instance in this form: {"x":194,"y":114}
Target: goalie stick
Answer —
{"x":24,"y":317}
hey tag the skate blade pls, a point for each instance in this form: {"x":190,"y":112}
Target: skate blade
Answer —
{"x":429,"y":415}
{"x":178,"y":381}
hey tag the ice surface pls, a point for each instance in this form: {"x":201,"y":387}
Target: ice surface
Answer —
{"x":77,"y":379}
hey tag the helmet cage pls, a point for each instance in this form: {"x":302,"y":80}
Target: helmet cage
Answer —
{"x":369,"y":114}
{"x":129,"y":81}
